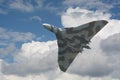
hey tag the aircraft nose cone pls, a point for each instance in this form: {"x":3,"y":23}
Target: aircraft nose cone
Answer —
{"x":45,"y":24}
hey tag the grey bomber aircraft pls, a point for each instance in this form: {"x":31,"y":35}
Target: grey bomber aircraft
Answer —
{"x":72,"y":40}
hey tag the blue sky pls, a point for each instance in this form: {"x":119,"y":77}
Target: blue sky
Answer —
{"x":24,"y":39}
{"x":19,"y":20}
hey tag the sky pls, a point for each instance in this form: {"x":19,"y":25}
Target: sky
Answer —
{"x":29,"y":52}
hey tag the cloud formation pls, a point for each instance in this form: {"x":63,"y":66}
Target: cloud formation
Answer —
{"x":92,"y":62}
{"x":95,"y":60}
{"x":89,"y":4}
{"x":8,"y":40}
{"x":40,"y":58}
{"x":36,"y":18}
{"x":15,"y":36}
{"x":25,"y":5}
{"x":43,"y":55}
{"x":77,"y":16}
{"x":111,"y":44}
{"x":7,"y":50}
{"x":111,"y":48}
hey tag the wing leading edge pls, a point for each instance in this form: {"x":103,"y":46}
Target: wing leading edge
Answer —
{"x":71,"y":41}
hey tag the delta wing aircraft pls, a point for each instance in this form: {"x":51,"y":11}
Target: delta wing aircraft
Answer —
{"x":72,"y":40}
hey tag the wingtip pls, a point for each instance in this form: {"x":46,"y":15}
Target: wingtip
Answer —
{"x":105,"y":21}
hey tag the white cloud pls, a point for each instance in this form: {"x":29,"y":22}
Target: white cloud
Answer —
{"x":20,"y":5}
{"x":92,"y":62}
{"x":95,"y":63}
{"x":75,"y":17}
{"x":32,"y":77}
{"x":67,"y":76}
{"x":36,"y":18}
{"x":15,"y":36}
{"x":40,"y":58}
{"x":7,"y":50}
{"x":111,"y":44}
{"x":2,"y":77}
{"x":25,"y":6}
{"x":43,"y":55}
{"x":89,"y":4}
{"x":111,"y":47}
{"x":8,"y":40}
